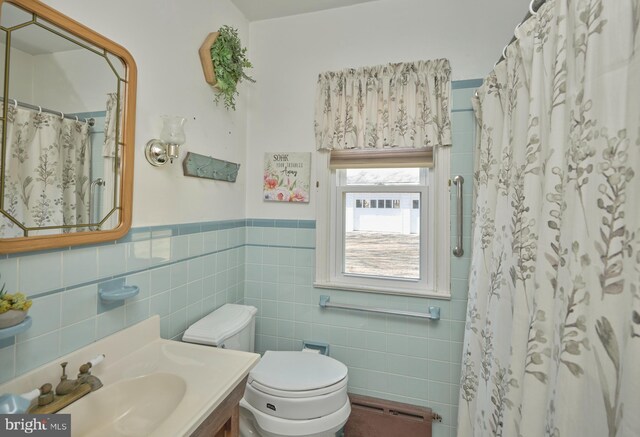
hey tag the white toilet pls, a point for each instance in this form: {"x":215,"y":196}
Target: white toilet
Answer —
{"x":301,"y":394}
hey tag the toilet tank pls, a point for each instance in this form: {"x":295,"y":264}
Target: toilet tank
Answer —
{"x":231,"y":326}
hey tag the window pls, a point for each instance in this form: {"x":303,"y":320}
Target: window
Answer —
{"x":401,"y":121}
{"x":381,"y":244}
{"x":400,"y":244}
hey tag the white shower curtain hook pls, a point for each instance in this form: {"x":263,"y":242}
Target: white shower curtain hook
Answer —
{"x":504,"y":51}
{"x":15,"y":103}
{"x":86,"y":121}
{"x":77,"y":119}
{"x":531,"y":8}
{"x":39,"y":110}
{"x":61,"y":115}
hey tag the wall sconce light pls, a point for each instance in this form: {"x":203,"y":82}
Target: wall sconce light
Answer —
{"x":167,"y":148}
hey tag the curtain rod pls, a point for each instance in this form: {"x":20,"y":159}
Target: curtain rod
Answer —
{"x":90,"y":121}
{"x":534,"y":6}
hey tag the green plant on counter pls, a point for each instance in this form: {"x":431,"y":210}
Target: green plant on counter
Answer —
{"x":16,"y":301}
{"x":229,"y":62}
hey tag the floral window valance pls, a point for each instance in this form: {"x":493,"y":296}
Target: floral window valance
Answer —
{"x":403,"y":105}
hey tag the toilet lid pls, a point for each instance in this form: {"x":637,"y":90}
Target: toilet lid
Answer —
{"x":297,"y":371}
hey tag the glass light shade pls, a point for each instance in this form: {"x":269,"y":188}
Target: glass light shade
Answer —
{"x":173,"y":130}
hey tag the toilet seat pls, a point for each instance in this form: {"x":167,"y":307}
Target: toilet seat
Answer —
{"x":297,"y":408}
{"x":289,"y":371}
{"x":298,"y":394}
{"x":297,"y":385}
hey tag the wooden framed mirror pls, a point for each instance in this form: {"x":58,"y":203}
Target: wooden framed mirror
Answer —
{"x":67,"y":131}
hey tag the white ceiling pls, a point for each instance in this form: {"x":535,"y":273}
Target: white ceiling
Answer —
{"x":256,"y":10}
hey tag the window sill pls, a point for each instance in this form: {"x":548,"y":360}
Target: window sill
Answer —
{"x":396,"y":291}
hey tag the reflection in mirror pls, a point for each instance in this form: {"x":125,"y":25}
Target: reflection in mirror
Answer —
{"x":117,"y":65}
{"x":13,"y":16}
{"x":61,"y":130}
{"x":69,"y":36}
{"x":3,"y":44}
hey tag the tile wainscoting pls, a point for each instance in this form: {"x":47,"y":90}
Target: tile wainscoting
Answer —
{"x":183,"y":272}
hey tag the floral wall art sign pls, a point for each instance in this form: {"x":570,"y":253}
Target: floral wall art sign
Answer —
{"x":286,"y":177}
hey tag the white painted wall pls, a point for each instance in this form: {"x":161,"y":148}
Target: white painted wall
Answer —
{"x":51,"y":81}
{"x":21,"y":85}
{"x":289,"y":53}
{"x":164,"y":36}
{"x":72,"y":81}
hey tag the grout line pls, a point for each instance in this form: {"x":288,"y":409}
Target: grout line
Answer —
{"x":149,"y":269}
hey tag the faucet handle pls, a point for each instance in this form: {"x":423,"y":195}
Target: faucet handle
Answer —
{"x":97,"y":360}
{"x":64,"y":370}
{"x":46,"y":395}
{"x":84,"y":369}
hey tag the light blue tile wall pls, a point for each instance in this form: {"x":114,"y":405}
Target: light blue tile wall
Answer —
{"x":391,"y":357}
{"x":187,"y":271}
{"x":183,"y":273}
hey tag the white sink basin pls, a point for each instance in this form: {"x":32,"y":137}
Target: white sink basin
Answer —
{"x":151,"y":387}
{"x":128,"y":408}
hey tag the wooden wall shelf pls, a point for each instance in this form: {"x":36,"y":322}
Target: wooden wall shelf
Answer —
{"x":205,"y":58}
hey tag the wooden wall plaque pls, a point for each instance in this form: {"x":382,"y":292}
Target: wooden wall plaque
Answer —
{"x":200,"y":166}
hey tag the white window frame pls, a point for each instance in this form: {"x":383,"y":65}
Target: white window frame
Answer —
{"x":435,"y":234}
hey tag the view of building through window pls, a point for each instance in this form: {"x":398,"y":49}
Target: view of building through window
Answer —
{"x":382,"y":225}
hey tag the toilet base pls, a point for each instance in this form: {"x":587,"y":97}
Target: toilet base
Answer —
{"x":254,"y":423}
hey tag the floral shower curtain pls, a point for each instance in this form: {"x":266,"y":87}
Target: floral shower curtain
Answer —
{"x":403,"y":105}
{"x":552,"y":344}
{"x":47,"y":171}
{"x":110,"y":126}
{"x":111,"y":167}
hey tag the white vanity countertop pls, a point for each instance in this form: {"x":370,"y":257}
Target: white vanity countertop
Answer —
{"x":152,"y":386}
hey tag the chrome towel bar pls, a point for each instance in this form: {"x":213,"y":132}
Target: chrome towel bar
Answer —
{"x":434,"y":312}
{"x":458,"y":181}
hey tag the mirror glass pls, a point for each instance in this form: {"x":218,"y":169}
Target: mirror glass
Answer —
{"x":62,"y":116}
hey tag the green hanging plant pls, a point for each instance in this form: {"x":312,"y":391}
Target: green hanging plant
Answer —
{"x":229,"y":60}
